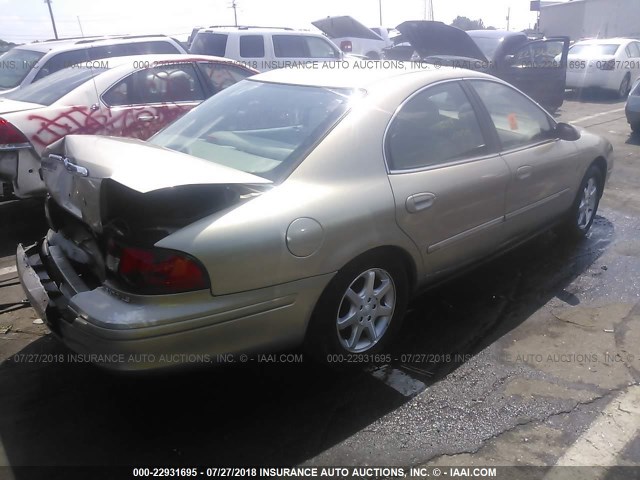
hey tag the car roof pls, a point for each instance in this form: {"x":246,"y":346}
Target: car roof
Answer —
{"x":495,"y":33}
{"x":360,"y":77}
{"x":599,"y":41}
{"x":83,"y":42}
{"x":258,"y":30}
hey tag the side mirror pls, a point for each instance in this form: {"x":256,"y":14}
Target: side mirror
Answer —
{"x":567,"y":132}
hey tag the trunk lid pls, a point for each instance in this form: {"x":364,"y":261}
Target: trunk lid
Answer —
{"x":437,"y":39}
{"x":135,"y":187}
{"x":10,"y":106}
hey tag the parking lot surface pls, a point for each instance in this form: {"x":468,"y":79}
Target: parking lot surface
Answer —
{"x":531,"y":359}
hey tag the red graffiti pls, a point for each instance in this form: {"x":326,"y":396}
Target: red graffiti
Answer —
{"x":134,"y":122}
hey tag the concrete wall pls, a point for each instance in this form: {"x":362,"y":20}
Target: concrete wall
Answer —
{"x":592,"y":19}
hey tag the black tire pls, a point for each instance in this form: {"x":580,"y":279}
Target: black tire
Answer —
{"x":625,"y":87}
{"x":326,"y":343}
{"x":577,"y":226}
{"x":635,"y":128}
{"x":373,"y":56}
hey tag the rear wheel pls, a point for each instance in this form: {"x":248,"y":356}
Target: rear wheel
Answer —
{"x":585,"y":206}
{"x":361,"y":309}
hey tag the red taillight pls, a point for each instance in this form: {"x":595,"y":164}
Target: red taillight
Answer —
{"x":158,"y":271}
{"x":10,"y":135}
{"x":346,"y":46}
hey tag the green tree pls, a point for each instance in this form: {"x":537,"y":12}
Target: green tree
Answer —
{"x":465,"y":23}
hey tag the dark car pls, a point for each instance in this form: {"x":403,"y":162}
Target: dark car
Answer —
{"x":536,"y":67}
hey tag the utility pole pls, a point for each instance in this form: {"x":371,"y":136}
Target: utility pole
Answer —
{"x":234,"y":5}
{"x":508,"y":17}
{"x":431,"y":16}
{"x":380,"y":10}
{"x":53,"y":22}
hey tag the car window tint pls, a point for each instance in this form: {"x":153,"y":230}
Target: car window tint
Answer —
{"x":517,"y":119}
{"x":252,"y":46}
{"x":321,"y":48}
{"x":223,"y":75}
{"x":62,"y":60}
{"x":210,"y":44}
{"x":542,"y":54}
{"x":167,"y":83}
{"x":290,"y":46}
{"x":635,"y":51}
{"x":435,"y":126}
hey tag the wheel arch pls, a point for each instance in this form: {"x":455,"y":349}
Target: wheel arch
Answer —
{"x":396,"y":252}
{"x":601,"y":164}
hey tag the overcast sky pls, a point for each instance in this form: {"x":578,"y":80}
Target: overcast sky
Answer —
{"x":26,"y":20}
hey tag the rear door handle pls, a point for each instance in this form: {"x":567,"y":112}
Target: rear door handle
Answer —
{"x":419,"y":201}
{"x":146,"y":117}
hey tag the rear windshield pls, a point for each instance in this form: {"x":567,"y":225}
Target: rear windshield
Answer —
{"x":594,"y":50}
{"x":260,"y":128}
{"x":207,"y":43}
{"x":54,"y":86}
{"x":15,"y":65}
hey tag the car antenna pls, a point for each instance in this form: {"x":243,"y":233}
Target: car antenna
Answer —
{"x":94,"y":106}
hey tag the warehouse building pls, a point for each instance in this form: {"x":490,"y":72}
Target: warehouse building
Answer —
{"x":580,"y":19}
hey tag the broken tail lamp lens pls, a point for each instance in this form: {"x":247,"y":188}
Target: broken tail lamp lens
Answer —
{"x":157,"y":271}
{"x":346,"y":46}
{"x":10,"y":135}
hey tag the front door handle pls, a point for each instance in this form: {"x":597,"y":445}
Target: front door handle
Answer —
{"x":524,"y":172}
{"x":420,"y":201}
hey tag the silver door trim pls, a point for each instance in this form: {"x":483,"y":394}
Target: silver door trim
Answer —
{"x":462,"y":235}
{"x":531,"y":206}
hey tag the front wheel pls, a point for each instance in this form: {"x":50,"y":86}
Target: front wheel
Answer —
{"x":361,"y":309}
{"x":585,"y":206}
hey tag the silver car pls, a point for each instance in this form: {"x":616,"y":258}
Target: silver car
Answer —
{"x":298,"y":206}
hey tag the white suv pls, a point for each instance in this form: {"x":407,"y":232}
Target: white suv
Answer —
{"x":28,"y":63}
{"x":264,"y":48}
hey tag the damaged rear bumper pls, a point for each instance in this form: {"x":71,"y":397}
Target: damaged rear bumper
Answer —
{"x":122,"y":332}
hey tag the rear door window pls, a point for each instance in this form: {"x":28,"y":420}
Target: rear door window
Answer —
{"x":252,"y":46}
{"x":223,"y":75}
{"x":301,"y":46}
{"x":163,"y":84}
{"x":435,"y":126}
